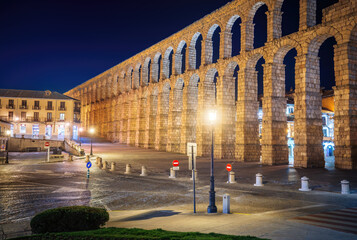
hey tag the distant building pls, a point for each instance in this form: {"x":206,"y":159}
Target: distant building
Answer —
{"x":327,"y":117}
{"x":40,"y":114}
{"x":4,"y":127}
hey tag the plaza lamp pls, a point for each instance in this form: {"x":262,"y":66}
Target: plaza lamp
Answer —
{"x":212,"y":194}
{"x":8,"y":132}
{"x":91,"y":132}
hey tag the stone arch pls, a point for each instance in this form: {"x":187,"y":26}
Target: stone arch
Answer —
{"x":180,"y":58}
{"x":231,"y":47}
{"x":249,"y":26}
{"x":137,"y":76}
{"x":212,"y":44}
{"x":146,"y":72}
{"x":167,"y":63}
{"x":195,"y":51}
{"x":156,"y":68}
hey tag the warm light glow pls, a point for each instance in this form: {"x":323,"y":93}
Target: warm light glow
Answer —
{"x":67,"y":124}
{"x":91,"y":130}
{"x":80,"y":129}
{"x":16,"y":119}
{"x":212,"y":115}
{"x":8,"y":132}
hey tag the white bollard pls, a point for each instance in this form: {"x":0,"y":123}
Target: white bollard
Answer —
{"x":144,"y":171}
{"x":112,"y":169}
{"x":128,"y":169}
{"x":231,"y":177}
{"x":226,"y":204}
{"x":304,"y":185}
{"x":87,"y":158}
{"x":105,"y":164}
{"x":196,"y":177}
{"x":172,"y":173}
{"x":345,"y":187}
{"x":259,"y":180}
{"x":97,"y":160}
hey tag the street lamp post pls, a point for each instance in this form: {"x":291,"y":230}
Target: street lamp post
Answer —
{"x":7,"y":146}
{"x":212,"y":194}
{"x":91,"y":131}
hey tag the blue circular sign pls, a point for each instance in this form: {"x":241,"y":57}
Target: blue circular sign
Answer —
{"x":89,"y":164}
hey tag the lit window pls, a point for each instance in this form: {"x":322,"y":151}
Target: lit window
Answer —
{"x":62,"y":116}
{"x":23,"y":129}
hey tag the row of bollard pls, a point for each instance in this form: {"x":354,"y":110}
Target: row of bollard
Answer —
{"x":105,"y":165}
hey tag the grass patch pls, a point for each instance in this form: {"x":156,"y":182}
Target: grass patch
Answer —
{"x":134,"y":233}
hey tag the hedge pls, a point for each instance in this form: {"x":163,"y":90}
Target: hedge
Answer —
{"x":69,"y":219}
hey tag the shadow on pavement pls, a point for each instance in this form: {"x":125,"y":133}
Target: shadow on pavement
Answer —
{"x":151,"y":214}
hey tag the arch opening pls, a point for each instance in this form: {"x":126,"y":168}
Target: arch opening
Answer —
{"x":260,"y":25}
{"x":195,"y":51}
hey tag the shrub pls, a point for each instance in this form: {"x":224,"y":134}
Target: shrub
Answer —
{"x":69,"y":219}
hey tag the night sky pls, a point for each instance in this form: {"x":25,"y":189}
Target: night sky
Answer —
{"x":57,"y":45}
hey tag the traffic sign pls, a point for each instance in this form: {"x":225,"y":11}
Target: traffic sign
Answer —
{"x":229,"y":167}
{"x":175,"y":163}
{"x":89,"y":165}
{"x":47,"y":144}
{"x":3,"y":147}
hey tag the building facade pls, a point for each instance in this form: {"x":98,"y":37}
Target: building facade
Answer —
{"x":40,"y":114}
{"x":159,"y":98}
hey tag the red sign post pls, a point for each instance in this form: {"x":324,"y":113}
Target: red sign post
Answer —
{"x":47,"y":144}
{"x":229,"y":167}
{"x":175,"y":163}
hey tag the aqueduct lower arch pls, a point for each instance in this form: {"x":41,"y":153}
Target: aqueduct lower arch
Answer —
{"x":155,"y":100}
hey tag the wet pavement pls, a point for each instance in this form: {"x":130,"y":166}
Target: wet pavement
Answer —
{"x":29,"y":185}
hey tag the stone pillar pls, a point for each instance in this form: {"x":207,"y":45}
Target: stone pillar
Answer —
{"x":225,"y":128}
{"x":141,"y":122}
{"x":162,"y":121}
{"x":274,"y":142}
{"x":226,"y":50}
{"x":247,"y":35}
{"x":308,"y":151}
{"x":346,"y":106}
{"x":208,"y":51}
{"x":175,"y":121}
{"x":125,"y":118}
{"x":178,"y":63}
{"x":274,"y":20}
{"x":132,"y":120}
{"x":307,"y":14}
{"x":152,"y":121}
{"x":247,"y":128}
{"x":206,"y":101}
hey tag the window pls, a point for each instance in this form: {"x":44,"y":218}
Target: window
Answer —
{"x":325,"y":132}
{"x":62,"y":105}
{"x":35,"y":131}
{"x":62,"y":116}
{"x":48,"y":131}
{"x":36,"y":116}
{"x":23,"y":116}
{"x":36,"y":105}
{"x":23,"y":128}
{"x":49,"y":117}
{"x":324,"y":121}
{"x":61,"y":131}
{"x":11,"y":102}
{"x":49,"y":105}
{"x":11,"y":116}
{"x":24,"y":103}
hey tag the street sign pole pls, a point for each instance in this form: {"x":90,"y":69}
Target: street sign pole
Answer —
{"x":48,"y":154}
{"x":88,"y":173}
{"x":89,"y":165}
{"x":194,"y":184}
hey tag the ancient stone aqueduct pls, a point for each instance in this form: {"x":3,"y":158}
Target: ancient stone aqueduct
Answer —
{"x":154,"y":100}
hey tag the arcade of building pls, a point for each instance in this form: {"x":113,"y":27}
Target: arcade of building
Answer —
{"x":160,"y":97}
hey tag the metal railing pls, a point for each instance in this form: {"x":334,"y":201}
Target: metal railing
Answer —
{"x":77,"y":110}
{"x":49,"y":107}
{"x":23,"y":107}
{"x":36,"y":108}
{"x":10,"y":106}
{"x":62,"y":108}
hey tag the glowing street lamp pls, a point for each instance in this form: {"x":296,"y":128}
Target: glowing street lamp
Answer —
{"x":212,"y":115}
{"x":91,"y":131}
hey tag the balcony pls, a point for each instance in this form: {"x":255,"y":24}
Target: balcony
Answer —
{"x":77,"y":120}
{"x":77,"y":110}
{"x":10,"y":106}
{"x":36,"y":108}
{"x":61,"y":120}
{"x":48,"y":120}
{"x":23,"y":107}
{"x":62,"y":108}
{"x":49,"y":108}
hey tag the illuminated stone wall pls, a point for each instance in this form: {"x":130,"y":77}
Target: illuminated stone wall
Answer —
{"x":154,"y":100}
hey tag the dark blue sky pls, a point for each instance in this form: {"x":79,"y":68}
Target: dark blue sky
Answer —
{"x":56,"y":45}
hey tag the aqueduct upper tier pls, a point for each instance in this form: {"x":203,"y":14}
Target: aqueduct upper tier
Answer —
{"x":159,"y":98}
